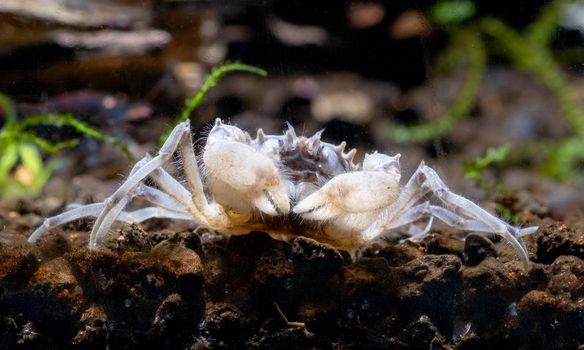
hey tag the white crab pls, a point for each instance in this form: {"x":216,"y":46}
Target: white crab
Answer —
{"x":285,"y":185}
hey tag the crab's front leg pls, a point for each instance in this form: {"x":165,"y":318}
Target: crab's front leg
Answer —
{"x":244,"y":179}
{"x":349,"y":193}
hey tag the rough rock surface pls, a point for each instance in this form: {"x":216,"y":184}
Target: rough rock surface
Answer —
{"x":174,"y":288}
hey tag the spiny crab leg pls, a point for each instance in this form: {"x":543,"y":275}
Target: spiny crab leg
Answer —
{"x":425,"y":180}
{"x":117,"y":201}
{"x":141,"y":215}
{"x":90,"y":210}
{"x":450,"y":218}
{"x":172,"y":187}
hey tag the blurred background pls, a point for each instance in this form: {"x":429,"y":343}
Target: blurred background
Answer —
{"x":490,"y":95}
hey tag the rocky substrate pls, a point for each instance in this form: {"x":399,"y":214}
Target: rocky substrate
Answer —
{"x":195,"y":289}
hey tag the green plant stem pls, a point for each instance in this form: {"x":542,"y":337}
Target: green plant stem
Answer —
{"x":9,"y":111}
{"x":562,"y":157}
{"x":70,"y":121}
{"x":462,"y":105}
{"x":538,"y":62}
{"x":210,"y":82}
{"x":540,"y":32}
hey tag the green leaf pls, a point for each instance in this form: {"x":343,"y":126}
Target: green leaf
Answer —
{"x":41,"y":180}
{"x":7,"y":106}
{"x":452,"y":11}
{"x":8,"y":160}
{"x":476,"y":56}
{"x":473,"y":169}
{"x":31,"y":158}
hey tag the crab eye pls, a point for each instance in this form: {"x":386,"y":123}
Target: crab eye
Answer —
{"x":382,"y":162}
{"x":224,"y":132}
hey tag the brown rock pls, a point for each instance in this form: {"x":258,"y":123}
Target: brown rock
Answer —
{"x":557,"y":239}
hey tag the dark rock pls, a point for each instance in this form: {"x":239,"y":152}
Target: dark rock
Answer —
{"x":93,"y":331}
{"x":557,"y":239}
{"x":216,"y":273}
{"x":182,"y":264}
{"x":253,"y":244}
{"x":477,"y":248}
{"x":430,"y":285}
{"x":274,"y":275}
{"x":400,"y":254}
{"x":189,"y":239}
{"x":177,"y":315}
{"x":93,"y":270}
{"x":423,"y":334}
{"x":489,"y":288}
{"x":567,"y":276}
{"x":443,"y":244}
{"x":369,"y":289}
{"x":226,"y":323}
{"x":271,"y":336}
{"x":549,"y":322}
{"x":134,"y":238}
{"x":17,"y":259}
{"x":314,"y":260}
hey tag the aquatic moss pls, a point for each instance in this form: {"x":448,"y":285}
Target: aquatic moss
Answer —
{"x":216,"y":74}
{"x":528,"y":51}
{"x":20,"y":142}
{"x":474,"y":51}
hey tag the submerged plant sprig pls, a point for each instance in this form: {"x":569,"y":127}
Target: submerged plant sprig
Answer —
{"x":474,"y":169}
{"x":22,"y":169}
{"x":212,"y":80}
{"x":476,"y":61}
{"x":60,"y":120}
{"x":528,"y":51}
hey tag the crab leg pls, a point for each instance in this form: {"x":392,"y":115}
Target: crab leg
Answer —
{"x":448,"y":217}
{"x":158,"y":198}
{"x":213,"y":214}
{"x":411,"y":193}
{"x":470,"y":209}
{"x":90,"y":210}
{"x":144,"y":214}
{"x":117,"y":201}
{"x":172,"y":187}
{"x":425,"y":180}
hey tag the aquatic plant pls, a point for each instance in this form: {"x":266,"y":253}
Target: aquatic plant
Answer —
{"x":474,"y":169}
{"x":22,"y":169}
{"x":216,"y":74}
{"x":528,"y":51}
{"x":466,"y":46}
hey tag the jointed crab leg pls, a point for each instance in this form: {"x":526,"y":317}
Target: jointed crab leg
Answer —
{"x":144,"y":214}
{"x":213,"y":214}
{"x":117,"y":201}
{"x":172,"y":201}
{"x":158,"y":198}
{"x":472,"y":210}
{"x":173,"y":188}
{"x":425,"y":180}
{"x":448,"y":217}
{"x":90,"y":210}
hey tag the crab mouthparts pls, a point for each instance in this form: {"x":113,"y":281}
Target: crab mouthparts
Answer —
{"x":273,"y":203}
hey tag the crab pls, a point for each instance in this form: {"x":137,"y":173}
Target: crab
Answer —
{"x":287,"y":185}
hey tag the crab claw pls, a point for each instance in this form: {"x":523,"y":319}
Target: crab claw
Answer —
{"x":354,"y":192}
{"x":242,"y":175}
